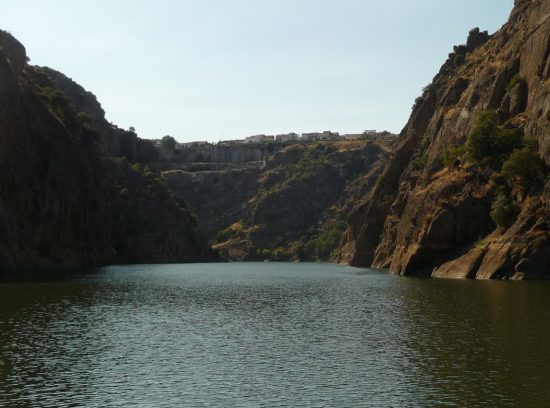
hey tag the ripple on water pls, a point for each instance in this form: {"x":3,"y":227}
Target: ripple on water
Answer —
{"x":275,"y":335}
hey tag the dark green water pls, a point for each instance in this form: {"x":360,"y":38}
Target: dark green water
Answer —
{"x":272,"y":335}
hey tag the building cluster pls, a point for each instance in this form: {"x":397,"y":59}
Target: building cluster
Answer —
{"x":179,"y":146}
{"x":317,"y":136}
{"x":294,"y":137}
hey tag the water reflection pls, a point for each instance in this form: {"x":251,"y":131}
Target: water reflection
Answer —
{"x":480,"y":343}
{"x":271,"y":335}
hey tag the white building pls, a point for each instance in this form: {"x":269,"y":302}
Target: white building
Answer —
{"x":311,"y":136}
{"x":259,"y":139}
{"x":329,"y":135}
{"x":287,"y":137}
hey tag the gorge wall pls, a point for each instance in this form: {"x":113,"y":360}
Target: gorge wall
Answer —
{"x":64,"y":202}
{"x":467,"y":194}
{"x":215,"y":154}
{"x":292,"y":206}
{"x":464,"y":194}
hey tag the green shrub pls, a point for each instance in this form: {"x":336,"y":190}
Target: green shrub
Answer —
{"x":263,"y":253}
{"x":47,"y":92}
{"x":84,"y":118}
{"x":418,"y":101}
{"x":524,"y":163}
{"x":379,"y":180}
{"x":452,"y":154}
{"x":280,"y":254}
{"x":299,"y":250}
{"x":420,"y":162}
{"x":387,"y":202}
{"x":503,"y":211}
{"x":323,"y":244}
{"x":479,"y":142}
{"x":531,"y":142}
{"x":482,"y":242}
{"x":168,"y":142}
{"x":222,"y":236}
{"x":489,"y":143}
{"x":516,"y":79}
{"x":504,"y":143}
{"x":426,"y":138}
{"x":459,"y":60}
{"x":329,"y":239}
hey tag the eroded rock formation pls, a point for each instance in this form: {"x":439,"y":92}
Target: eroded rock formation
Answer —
{"x":436,"y":218}
{"x":64,"y":202}
{"x":291,"y":207}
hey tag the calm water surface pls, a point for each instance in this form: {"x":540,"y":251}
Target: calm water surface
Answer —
{"x":272,"y":335}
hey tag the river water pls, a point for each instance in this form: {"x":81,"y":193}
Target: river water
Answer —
{"x":272,"y":335}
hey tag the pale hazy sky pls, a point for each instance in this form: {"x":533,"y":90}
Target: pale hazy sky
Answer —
{"x":225,"y":69}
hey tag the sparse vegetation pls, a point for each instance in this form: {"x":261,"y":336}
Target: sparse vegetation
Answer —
{"x":419,"y":162}
{"x":425,"y":139}
{"x":516,"y":79}
{"x":524,"y":163}
{"x":482,"y":242}
{"x":326,"y":241}
{"x":452,"y":154}
{"x":379,"y":180}
{"x":489,"y":143}
{"x":459,"y":59}
{"x":387,"y":202}
{"x":263,"y":253}
{"x":422,"y":98}
{"x":418,"y":101}
{"x":503,"y":210}
{"x":503,"y":149}
{"x":168,"y":142}
{"x":320,"y":246}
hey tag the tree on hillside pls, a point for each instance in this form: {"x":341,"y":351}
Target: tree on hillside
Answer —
{"x":168,"y":142}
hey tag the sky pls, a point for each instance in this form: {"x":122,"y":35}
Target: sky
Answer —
{"x":226,"y":69}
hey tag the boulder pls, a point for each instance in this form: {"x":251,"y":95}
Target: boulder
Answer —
{"x":463,"y":267}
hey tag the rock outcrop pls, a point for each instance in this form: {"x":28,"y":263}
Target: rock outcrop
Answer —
{"x":52,"y":186}
{"x":149,"y":224}
{"x":220,"y":153}
{"x":216,"y":196}
{"x":291,"y":207}
{"x":468,"y":156}
{"x":63,"y":204}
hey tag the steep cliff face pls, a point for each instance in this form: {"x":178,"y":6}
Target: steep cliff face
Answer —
{"x":291,"y":207}
{"x":60,"y":205}
{"x":52,"y":185}
{"x":466,"y":194}
{"x":114,"y":141}
{"x":150,"y":225}
{"x":216,"y":196}
{"x":226,"y":154}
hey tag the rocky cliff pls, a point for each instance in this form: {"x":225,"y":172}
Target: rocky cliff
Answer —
{"x":149,"y":224}
{"x":216,"y":196}
{"x":291,"y":207}
{"x":217,"y":154}
{"x":467,"y":194}
{"x":64,"y":203}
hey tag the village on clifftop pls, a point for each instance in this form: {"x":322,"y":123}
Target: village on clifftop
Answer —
{"x":294,"y":137}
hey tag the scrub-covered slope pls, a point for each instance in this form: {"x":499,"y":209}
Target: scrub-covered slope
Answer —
{"x":293,"y":206}
{"x":467,"y":193}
